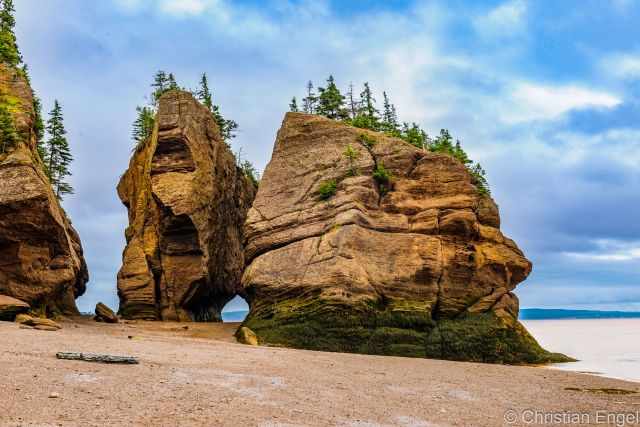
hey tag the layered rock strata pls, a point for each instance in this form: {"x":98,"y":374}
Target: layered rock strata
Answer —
{"x":187,"y":202}
{"x":41,"y":258}
{"x":391,"y":250}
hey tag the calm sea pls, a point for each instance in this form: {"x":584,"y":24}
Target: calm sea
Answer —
{"x":608,"y":347}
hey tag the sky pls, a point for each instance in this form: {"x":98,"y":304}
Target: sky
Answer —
{"x":544,"y":94}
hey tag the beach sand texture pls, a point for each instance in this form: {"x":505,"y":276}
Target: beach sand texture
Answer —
{"x":196,"y":375}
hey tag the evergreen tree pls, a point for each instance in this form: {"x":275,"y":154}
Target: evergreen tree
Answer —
{"x":367,"y":117}
{"x":293,"y":106}
{"x":143,"y":125}
{"x":389,"y":117}
{"x":204,"y":93}
{"x":352,"y":104}
{"x":250,"y":172}
{"x":8,"y":134}
{"x":9,"y":52}
{"x":58,"y":156}
{"x":38,"y":127}
{"x":331,"y":101}
{"x":160,"y":85}
{"x":171,"y":82}
{"x":309,"y":102}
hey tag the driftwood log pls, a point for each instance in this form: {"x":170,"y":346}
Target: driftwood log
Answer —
{"x":98,"y":358}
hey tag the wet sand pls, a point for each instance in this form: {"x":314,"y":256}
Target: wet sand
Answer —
{"x":199,"y":376}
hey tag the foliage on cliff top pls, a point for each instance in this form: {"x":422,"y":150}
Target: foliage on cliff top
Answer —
{"x":362,"y":112}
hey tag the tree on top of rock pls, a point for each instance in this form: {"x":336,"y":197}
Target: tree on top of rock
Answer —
{"x":309,"y":102}
{"x":293,"y":105}
{"x":143,"y":125}
{"x":58,"y":156}
{"x":389,"y":117}
{"x":227,"y":127}
{"x":352,"y":105}
{"x":331,"y":101}
{"x":9,"y":52}
{"x":204,"y":93}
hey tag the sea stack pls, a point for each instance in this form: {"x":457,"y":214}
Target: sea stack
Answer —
{"x":187,"y":203}
{"x":41,"y":261}
{"x":391,"y":250}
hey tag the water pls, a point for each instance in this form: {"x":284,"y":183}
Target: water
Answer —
{"x":608,"y":347}
{"x":603,"y":346}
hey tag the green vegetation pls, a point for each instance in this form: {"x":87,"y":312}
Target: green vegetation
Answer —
{"x":57,"y":155}
{"x":8,"y":134}
{"x":328,"y":189}
{"x":227,"y":128}
{"x":362,"y":113}
{"x":382,"y":178}
{"x":250,"y":172}
{"x":9,"y":52}
{"x":164,"y":82}
{"x":293,"y":106}
{"x":352,"y":155}
{"x":314,"y":324}
{"x":366,"y":140}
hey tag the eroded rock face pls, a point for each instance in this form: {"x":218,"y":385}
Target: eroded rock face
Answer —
{"x":41,"y":260}
{"x":187,"y":203}
{"x":413,"y":267}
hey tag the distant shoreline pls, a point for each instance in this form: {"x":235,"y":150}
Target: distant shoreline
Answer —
{"x":525,"y":314}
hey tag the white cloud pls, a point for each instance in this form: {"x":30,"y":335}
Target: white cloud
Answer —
{"x":505,"y":20}
{"x":609,"y":251}
{"x":186,"y":7}
{"x":531,"y":101}
{"x":622,"y":65}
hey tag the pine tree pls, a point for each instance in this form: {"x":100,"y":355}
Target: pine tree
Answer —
{"x":204,"y":93}
{"x":160,"y":85}
{"x":331,"y":101}
{"x":389,"y":117}
{"x":171,"y":82}
{"x":143,"y":125}
{"x":293,"y":106}
{"x":8,"y":134}
{"x":367,"y":117}
{"x":58,"y":156}
{"x":352,"y":104}
{"x":309,"y":102}
{"x":9,"y":52}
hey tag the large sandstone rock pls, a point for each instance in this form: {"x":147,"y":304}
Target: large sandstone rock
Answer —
{"x":11,"y":307}
{"x":41,"y":259}
{"x":187,"y":203}
{"x":104,"y":314}
{"x":414,"y":267}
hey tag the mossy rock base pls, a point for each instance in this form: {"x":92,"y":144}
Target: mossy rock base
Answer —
{"x":476,"y":338}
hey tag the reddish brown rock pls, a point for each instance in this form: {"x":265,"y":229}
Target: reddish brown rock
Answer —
{"x":187,"y":203}
{"x":416,"y":266}
{"x":41,"y":259}
{"x":105,"y":314}
{"x":11,"y":307}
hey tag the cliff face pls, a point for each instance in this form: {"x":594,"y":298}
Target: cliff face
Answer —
{"x":411,"y":266}
{"x":187,"y":203}
{"x":41,"y":258}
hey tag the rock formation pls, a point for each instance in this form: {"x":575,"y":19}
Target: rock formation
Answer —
{"x":11,"y":307}
{"x":41,"y":260}
{"x":414,"y":265}
{"x":187,"y":203}
{"x":104,"y":314}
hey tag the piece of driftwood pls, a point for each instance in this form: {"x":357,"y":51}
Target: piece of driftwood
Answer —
{"x":98,"y":358}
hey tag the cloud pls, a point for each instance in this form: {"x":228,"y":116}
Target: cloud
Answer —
{"x":608,"y":251}
{"x":508,"y":19}
{"x":531,"y":101}
{"x":622,"y":65}
{"x":187,"y":7}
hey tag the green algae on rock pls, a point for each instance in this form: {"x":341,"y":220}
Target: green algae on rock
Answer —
{"x":417,"y":267}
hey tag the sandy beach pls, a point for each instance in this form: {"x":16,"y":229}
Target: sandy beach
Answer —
{"x":196,"y":375}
